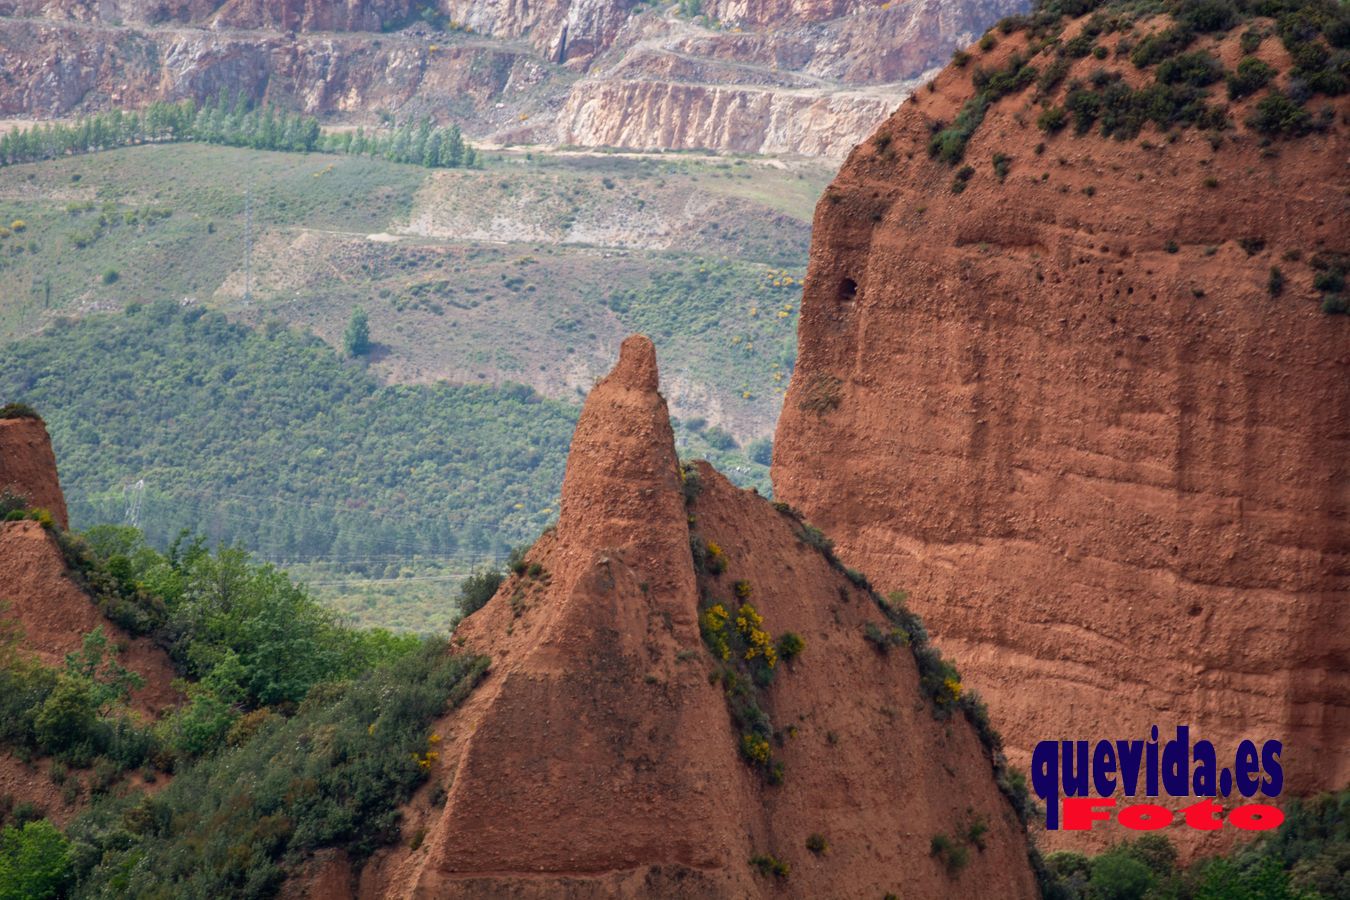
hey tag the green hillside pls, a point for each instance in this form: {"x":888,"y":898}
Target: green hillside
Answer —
{"x":383,"y":495}
{"x":528,"y":270}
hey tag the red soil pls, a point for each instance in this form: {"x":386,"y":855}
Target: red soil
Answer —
{"x":598,"y":760}
{"x":28,"y":466}
{"x":1114,"y":478}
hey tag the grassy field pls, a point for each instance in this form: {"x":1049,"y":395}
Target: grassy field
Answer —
{"x":529,"y":272}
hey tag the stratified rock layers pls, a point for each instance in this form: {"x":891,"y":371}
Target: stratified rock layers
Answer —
{"x":794,"y":76}
{"x":1065,"y":411}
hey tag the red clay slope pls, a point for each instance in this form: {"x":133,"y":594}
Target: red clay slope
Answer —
{"x":598,"y":759}
{"x":28,"y":466}
{"x":1066,"y":413}
{"x":53,"y":614}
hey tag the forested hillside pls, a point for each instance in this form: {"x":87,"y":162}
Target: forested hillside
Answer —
{"x":268,"y":438}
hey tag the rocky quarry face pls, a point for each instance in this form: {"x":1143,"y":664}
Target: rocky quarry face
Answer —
{"x":1081,"y":400}
{"x":802,"y":76}
{"x":601,"y":756}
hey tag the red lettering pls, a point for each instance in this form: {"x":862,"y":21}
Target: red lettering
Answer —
{"x":1145,"y":817}
{"x":1204,"y":815}
{"x":1081,"y":812}
{"x":1256,"y":816}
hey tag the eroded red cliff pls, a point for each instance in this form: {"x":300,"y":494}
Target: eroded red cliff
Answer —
{"x":599,"y":757}
{"x":1061,"y":398}
{"x":46,"y":614}
{"x":28,"y":466}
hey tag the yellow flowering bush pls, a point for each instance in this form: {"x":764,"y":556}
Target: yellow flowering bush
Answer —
{"x":755,"y":748}
{"x":714,"y":626}
{"x":758,"y":642}
{"x":425,"y":760}
{"x":717,"y":559}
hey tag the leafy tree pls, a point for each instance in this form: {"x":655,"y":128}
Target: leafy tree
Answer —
{"x":236,"y":123}
{"x":760,"y":451}
{"x":1116,"y":876}
{"x":109,"y":682}
{"x":68,"y":718}
{"x":34,"y":862}
{"x":477,"y":589}
{"x":356,"y":339}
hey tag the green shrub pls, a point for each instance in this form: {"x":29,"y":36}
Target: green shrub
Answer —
{"x":1329,"y":280}
{"x":884,"y":640}
{"x":760,"y":451}
{"x":18,"y":411}
{"x":790,"y":645}
{"x":1052,"y":76}
{"x":1079,"y":46}
{"x":1277,"y":115}
{"x":1157,"y":47}
{"x":1275,"y":284}
{"x":817,"y":844}
{"x":1252,"y":74}
{"x":953,"y":855}
{"x":813,"y":536}
{"x":1002,"y":164}
{"x":949,"y":144}
{"x":691,"y":482}
{"x":478,"y":588}
{"x":1198,"y":69}
{"x":768,"y":864}
{"x":334,"y":775}
{"x":66,"y":724}
{"x":720,"y":439}
{"x":1116,"y":876}
{"x":1052,"y":119}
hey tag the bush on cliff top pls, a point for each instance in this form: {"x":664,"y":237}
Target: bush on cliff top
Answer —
{"x":18,"y":411}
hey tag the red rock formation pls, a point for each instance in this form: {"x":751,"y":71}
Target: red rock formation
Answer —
{"x":1065,"y":411}
{"x":47,"y":613}
{"x":53,"y":614}
{"x":597,"y":759}
{"x":28,"y":466}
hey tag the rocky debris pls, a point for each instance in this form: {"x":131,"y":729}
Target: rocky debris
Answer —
{"x":1061,"y":398}
{"x":600,"y":758}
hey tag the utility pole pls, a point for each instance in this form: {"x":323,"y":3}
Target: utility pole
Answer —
{"x":248,"y":245}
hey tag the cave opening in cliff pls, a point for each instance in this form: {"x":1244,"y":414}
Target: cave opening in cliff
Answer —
{"x":848,"y":290}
